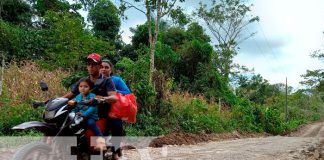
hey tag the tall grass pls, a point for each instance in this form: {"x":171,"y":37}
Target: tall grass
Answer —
{"x":21,"y":86}
{"x":22,"y":82}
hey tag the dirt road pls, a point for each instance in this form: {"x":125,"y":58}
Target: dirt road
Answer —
{"x":306,"y":143}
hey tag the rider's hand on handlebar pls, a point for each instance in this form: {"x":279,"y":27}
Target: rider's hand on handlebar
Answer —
{"x":98,"y":97}
{"x":71,"y":103}
{"x":110,"y":99}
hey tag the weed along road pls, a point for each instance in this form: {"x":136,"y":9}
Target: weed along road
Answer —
{"x":305,"y":143}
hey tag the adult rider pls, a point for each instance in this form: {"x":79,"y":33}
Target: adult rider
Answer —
{"x":106,"y":91}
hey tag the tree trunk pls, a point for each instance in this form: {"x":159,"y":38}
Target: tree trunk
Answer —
{"x":154,"y":39}
{"x":152,"y":68}
{"x":148,"y":17}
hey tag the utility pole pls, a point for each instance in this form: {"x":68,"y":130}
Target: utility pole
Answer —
{"x":286,"y":106}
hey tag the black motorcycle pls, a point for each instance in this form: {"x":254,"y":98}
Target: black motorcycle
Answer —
{"x":64,"y":137}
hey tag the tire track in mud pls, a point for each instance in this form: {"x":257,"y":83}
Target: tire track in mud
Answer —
{"x":315,"y":130}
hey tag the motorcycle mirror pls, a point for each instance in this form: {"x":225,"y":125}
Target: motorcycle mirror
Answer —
{"x":43,"y":86}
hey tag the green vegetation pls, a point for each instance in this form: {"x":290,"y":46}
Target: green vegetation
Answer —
{"x":194,"y":89}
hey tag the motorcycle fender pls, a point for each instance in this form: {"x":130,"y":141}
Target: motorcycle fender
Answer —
{"x":40,"y":126}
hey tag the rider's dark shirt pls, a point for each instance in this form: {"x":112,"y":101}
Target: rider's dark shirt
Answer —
{"x":106,"y":86}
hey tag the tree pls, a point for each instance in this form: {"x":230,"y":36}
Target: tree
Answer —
{"x":162,"y":8}
{"x":258,"y":90}
{"x":105,"y":19}
{"x":20,"y":43}
{"x":68,"y":43}
{"x":17,"y":12}
{"x":226,"y":20}
{"x":166,"y":59}
{"x":140,"y":35}
{"x":192,"y":54}
{"x":315,"y":79}
{"x":196,"y":31}
{"x":42,"y":6}
{"x":174,"y":37}
{"x":212,"y":85}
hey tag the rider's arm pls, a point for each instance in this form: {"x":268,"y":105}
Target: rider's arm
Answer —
{"x":74,"y":91}
{"x":69,"y":95}
{"x":111,"y":91}
{"x":111,"y":99}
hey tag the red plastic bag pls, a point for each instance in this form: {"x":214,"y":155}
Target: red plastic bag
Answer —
{"x":125,"y":108}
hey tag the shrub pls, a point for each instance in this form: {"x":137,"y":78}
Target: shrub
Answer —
{"x":245,"y":116}
{"x":272,"y":121}
{"x":147,"y":125}
{"x":136,"y":76}
{"x":14,"y":115}
{"x":195,"y":115}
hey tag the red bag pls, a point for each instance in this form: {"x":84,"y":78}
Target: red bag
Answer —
{"x":125,"y":108}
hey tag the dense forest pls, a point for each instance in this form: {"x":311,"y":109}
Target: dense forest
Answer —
{"x":182,"y":79}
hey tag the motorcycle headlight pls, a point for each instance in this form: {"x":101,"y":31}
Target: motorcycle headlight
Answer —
{"x":49,"y":115}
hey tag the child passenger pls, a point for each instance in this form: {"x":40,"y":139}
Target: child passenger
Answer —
{"x":90,"y":113}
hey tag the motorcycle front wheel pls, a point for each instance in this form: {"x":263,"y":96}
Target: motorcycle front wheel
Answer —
{"x":33,"y":151}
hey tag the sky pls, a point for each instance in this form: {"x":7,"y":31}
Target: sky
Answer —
{"x":287,"y":33}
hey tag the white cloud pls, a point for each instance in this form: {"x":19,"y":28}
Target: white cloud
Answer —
{"x":297,"y":23}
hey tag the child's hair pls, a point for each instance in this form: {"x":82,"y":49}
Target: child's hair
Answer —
{"x":87,"y":80}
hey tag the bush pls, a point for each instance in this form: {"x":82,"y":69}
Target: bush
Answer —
{"x":212,"y":85}
{"x":14,"y":115}
{"x":147,"y":125}
{"x":292,"y":125}
{"x":246,"y":117}
{"x":272,"y":121}
{"x":197,"y":116}
{"x":136,"y":75}
{"x":145,"y":96}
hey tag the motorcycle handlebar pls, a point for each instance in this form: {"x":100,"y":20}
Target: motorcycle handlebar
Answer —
{"x":36,"y":104}
{"x":90,"y":102}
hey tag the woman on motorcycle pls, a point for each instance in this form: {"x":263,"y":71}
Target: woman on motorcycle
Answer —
{"x":107,"y":70}
{"x":107,"y":91}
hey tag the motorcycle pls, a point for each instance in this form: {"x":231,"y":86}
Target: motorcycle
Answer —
{"x":63,"y":132}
